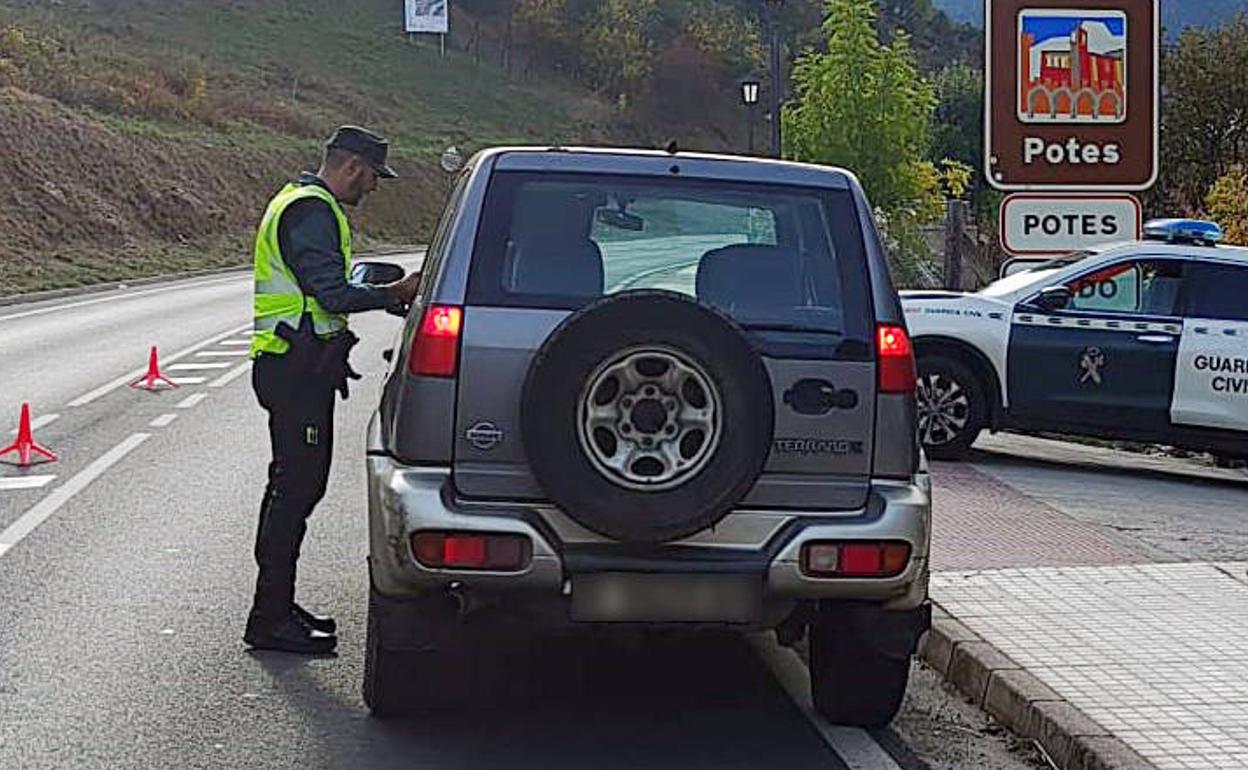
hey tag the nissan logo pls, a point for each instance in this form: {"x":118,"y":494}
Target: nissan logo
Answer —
{"x":484,"y":436}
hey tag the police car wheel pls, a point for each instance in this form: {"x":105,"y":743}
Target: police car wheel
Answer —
{"x":952,"y":407}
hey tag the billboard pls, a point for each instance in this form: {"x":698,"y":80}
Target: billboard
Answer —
{"x":427,"y":16}
{"x":1072,"y":94}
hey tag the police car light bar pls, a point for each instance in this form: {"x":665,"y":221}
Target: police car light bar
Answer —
{"x":1194,"y":231}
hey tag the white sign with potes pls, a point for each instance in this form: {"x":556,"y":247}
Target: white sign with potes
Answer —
{"x":427,"y":16}
{"x":1037,"y":224}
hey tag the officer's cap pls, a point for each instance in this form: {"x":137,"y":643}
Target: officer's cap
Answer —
{"x":365,"y":144}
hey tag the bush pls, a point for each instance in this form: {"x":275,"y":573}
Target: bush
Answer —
{"x":1227,"y":202}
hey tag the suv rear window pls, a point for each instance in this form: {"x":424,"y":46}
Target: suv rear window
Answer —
{"x":778,"y":258}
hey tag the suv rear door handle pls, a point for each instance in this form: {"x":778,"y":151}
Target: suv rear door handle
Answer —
{"x":1156,"y":339}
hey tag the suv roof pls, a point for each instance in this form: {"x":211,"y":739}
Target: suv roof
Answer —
{"x":661,"y":163}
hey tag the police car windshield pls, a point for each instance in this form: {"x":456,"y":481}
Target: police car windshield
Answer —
{"x":1037,"y":274}
{"x":1067,"y":260}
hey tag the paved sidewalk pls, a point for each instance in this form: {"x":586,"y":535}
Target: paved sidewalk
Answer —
{"x":1070,"y":634}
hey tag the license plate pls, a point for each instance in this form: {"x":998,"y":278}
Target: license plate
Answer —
{"x":648,"y":598}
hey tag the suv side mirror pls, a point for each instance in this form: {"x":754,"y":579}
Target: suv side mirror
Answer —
{"x":1053,"y":298}
{"x":376,"y":273}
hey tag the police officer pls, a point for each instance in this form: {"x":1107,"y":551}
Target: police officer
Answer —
{"x":300,"y":346}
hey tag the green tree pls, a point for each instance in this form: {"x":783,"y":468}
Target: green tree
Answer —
{"x":1205,"y":112}
{"x":1228,"y":204}
{"x":731,"y":39}
{"x":863,"y":105}
{"x":621,"y":44}
{"x":957,"y":129}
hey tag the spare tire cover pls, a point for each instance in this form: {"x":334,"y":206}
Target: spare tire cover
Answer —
{"x":647,"y":417}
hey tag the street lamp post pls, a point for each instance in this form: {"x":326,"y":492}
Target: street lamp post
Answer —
{"x":749,"y":97}
{"x":772,"y":9}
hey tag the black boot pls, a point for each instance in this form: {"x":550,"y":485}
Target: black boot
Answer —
{"x":323,"y":623}
{"x":290,"y":636}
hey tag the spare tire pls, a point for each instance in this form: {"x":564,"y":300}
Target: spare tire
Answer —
{"x":647,"y":417}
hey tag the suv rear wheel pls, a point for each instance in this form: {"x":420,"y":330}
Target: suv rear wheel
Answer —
{"x":859,"y":669}
{"x":953,"y":408}
{"x":411,"y":662}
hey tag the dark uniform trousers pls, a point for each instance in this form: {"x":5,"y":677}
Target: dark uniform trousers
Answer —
{"x":301,"y":431}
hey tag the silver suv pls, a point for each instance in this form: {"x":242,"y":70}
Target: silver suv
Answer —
{"x":649,"y":388}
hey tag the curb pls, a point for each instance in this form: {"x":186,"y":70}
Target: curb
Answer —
{"x":1020,"y":701}
{"x":97,"y":288}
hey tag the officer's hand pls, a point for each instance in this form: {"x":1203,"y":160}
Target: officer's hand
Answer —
{"x":406,"y":289}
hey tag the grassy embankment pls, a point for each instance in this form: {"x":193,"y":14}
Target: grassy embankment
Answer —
{"x":140,"y":137}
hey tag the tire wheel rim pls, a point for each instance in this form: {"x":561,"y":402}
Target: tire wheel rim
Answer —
{"x":649,"y":419}
{"x":944,"y":410}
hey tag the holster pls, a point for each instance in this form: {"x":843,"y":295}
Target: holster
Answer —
{"x":306,"y":349}
{"x":328,"y":361}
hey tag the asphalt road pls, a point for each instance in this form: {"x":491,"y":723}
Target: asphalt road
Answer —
{"x":126,"y":573}
{"x":1167,"y":508}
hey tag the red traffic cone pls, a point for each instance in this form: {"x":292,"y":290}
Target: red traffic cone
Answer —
{"x":153,"y":379}
{"x":25,"y":443}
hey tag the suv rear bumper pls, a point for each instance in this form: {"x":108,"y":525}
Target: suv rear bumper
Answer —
{"x":404,"y":500}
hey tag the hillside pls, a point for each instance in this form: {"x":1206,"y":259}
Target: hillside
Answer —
{"x":144,"y":136}
{"x":1175,"y":14}
{"x":937,"y":41}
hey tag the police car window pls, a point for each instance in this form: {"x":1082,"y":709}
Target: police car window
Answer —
{"x":1146,"y":288}
{"x":1218,"y":292}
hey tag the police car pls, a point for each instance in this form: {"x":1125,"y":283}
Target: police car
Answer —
{"x":1142,"y":341}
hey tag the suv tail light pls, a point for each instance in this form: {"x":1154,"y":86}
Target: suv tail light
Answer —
{"x":472,"y":551}
{"x":863,"y":559}
{"x":435,"y":351}
{"x":898,"y":373}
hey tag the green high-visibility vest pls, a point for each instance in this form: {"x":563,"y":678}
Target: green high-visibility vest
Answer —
{"x":278,"y":296}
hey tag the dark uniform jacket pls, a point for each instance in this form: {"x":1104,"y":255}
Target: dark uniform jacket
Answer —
{"x":308,"y":237}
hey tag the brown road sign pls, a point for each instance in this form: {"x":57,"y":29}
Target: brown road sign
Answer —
{"x":1072,"y":94}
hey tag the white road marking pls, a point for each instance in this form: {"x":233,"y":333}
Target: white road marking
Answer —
{"x":137,"y":373}
{"x":38,"y":422}
{"x":191,"y":402}
{"x":226,"y":379}
{"x":188,"y":380}
{"x":163,"y":420}
{"x":199,"y":367}
{"x":855,"y":747}
{"x":239,"y":343}
{"x":221,"y":353}
{"x":49,"y":505}
{"x":25,"y":482}
{"x":84,"y":303}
